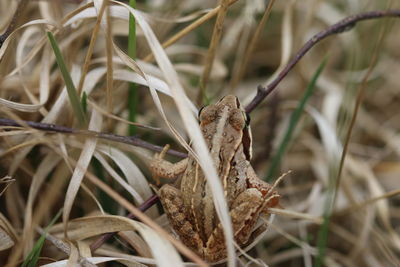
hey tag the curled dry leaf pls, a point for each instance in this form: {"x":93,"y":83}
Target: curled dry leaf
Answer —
{"x":83,"y":228}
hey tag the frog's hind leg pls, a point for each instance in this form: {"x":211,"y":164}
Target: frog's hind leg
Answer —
{"x":244,"y":213}
{"x":270,"y":196}
{"x":171,"y":199}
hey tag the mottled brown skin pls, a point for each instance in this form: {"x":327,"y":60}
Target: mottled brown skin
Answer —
{"x":190,"y":209}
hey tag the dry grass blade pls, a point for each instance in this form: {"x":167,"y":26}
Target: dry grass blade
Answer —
{"x":252,"y":43}
{"x":48,"y":165}
{"x":189,"y":28}
{"x":8,"y":236}
{"x":5,"y":182}
{"x":84,"y":228}
{"x":79,"y":172}
{"x":89,"y":53}
{"x":216,"y":36}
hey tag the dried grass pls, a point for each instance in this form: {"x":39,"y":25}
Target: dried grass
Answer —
{"x":43,"y":172}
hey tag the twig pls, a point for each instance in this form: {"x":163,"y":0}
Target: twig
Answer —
{"x":130,"y":140}
{"x":342,"y":26}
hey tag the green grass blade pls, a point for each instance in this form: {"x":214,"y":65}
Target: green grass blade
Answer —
{"x":72,"y":92}
{"x":294,"y":119}
{"x":133,"y":98}
{"x":328,"y":207}
{"x":323,"y":230}
{"x":84,"y":102}
{"x":33,"y":257}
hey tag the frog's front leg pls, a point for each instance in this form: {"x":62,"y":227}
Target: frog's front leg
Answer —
{"x":160,"y":167}
{"x":171,"y":199}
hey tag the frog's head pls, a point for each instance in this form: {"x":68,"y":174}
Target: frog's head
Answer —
{"x":228,"y":116}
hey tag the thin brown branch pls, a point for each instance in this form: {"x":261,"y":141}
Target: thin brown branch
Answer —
{"x":342,"y":26}
{"x":130,"y":140}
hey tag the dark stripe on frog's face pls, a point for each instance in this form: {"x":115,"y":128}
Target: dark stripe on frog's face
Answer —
{"x":246,"y":137}
{"x":247,"y":142}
